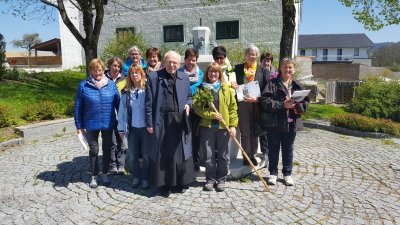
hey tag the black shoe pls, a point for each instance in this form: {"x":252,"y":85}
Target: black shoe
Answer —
{"x":246,"y":163}
{"x":165,"y":191}
{"x":196,"y":168}
{"x":254,"y":161}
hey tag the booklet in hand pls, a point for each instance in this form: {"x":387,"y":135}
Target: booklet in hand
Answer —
{"x":252,"y":88}
{"x":83,"y":140}
{"x":298,"y":96}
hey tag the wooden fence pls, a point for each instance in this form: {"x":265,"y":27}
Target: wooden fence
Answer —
{"x":340,"y":91}
{"x":35,"y":61}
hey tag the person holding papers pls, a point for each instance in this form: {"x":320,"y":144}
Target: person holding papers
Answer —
{"x":96,"y":104}
{"x":248,"y":109}
{"x":282,"y":115}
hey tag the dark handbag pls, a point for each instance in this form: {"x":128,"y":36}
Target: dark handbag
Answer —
{"x":268,"y":119}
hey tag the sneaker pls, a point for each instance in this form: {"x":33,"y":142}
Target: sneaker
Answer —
{"x":220,"y":186}
{"x":165,"y":191}
{"x":254,"y":161}
{"x":272,"y":180}
{"x":104,"y":180}
{"x":209,"y":185}
{"x":93,"y":182}
{"x":135,"y":183}
{"x":263,"y":156}
{"x":121,"y":171}
{"x":113,"y":171}
{"x":288,"y":180}
{"x":145,"y":184}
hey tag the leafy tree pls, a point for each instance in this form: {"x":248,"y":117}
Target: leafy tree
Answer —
{"x":28,"y":41}
{"x":387,"y":55}
{"x":2,"y":55}
{"x":375,"y":14}
{"x":119,"y":46}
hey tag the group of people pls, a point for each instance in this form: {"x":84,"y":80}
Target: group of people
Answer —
{"x":152,"y":105}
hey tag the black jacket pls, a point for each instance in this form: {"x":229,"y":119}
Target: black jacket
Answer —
{"x":271,"y":101}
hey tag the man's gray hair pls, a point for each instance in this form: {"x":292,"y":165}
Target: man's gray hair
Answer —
{"x":173,"y":53}
{"x":252,"y":47}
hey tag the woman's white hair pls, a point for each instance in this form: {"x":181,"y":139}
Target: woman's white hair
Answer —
{"x":134,"y":49}
{"x":252,"y":47}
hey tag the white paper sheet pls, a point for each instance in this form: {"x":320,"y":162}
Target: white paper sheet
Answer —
{"x":252,"y":88}
{"x":298,"y":96}
{"x":83,"y":140}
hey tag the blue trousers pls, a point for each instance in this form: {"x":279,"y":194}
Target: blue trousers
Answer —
{"x":278,"y":140}
{"x":138,"y":144}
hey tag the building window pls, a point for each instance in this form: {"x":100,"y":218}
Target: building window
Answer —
{"x":173,"y":33}
{"x":125,"y":29}
{"x":356,"y":51}
{"x":324,"y":54}
{"x":227,"y":30}
{"x":339,"y":54}
{"x":314,"y":52}
{"x":302,"y":52}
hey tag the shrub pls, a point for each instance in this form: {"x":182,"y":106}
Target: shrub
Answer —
{"x":377,"y":98}
{"x":69,"y":110}
{"x":119,"y":46}
{"x":6,"y":116}
{"x":362,"y":123}
{"x":45,"y":110}
{"x":14,"y":74}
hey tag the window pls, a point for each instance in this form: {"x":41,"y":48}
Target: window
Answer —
{"x":302,"y":52}
{"x":125,"y":29}
{"x":339,"y":54}
{"x":324,"y":54}
{"x":356,"y":51}
{"x":173,"y":33}
{"x":314,"y":52}
{"x":227,"y":30}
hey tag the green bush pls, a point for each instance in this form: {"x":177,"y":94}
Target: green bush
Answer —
{"x":69,"y":110}
{"x":377,"y":98}
{"x":45,"y":110}
{"x":2,"y":56}
{"x":14,"y":74}
{"x":119,"y":46}
{"x":362,"y":123}
{"x":6,"y":116}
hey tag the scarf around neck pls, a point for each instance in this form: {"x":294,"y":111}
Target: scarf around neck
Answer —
{"x":99,"y":84}
{"x":213,"y":87}
{"x":193,"y":76}
{"x":250,"y":72}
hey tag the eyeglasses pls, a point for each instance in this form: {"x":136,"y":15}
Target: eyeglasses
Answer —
{"x":134,"y":53}
{"x":115,"y":65}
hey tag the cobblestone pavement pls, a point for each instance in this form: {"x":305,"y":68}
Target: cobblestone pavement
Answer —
{"x":339,"y":180}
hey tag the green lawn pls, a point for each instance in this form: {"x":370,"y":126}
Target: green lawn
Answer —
{"x":58,"y":87}
{"x":323,"y":112}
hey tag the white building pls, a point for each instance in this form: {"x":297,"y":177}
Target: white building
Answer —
{"x":336,"y":47}
{"x":170,"y":25}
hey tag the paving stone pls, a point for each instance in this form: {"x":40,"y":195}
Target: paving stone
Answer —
{"x":339,"y":180}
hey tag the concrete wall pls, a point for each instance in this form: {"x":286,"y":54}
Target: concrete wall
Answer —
{"x":259,"y":21}
{"x":336,"y":71}
{"x":72,"y":53}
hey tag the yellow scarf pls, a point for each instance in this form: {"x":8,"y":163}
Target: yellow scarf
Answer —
{"x":250,"y":72}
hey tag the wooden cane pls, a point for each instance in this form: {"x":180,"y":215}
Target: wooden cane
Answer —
{"x":243,"y":152}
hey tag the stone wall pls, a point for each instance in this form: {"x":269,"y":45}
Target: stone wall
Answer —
{"x":336,"y":71}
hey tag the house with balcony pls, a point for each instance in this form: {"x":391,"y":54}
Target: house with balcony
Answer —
{"x":339,"y":48}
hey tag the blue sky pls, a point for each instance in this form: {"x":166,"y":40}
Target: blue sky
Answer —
{"x":319,"y":17}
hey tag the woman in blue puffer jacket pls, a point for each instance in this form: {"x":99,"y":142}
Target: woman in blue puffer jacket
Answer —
{"x":95,"y":105}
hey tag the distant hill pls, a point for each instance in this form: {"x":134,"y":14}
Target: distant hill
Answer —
{"x":377,"y":46}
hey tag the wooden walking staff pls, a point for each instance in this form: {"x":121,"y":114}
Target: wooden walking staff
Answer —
{"x":243,"y":152}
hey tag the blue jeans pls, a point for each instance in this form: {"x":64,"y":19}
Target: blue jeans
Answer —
{"x":138,"y":144}
{"x":277,"y":140}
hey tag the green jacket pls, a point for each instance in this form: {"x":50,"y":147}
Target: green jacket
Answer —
{"x":227,"y":108}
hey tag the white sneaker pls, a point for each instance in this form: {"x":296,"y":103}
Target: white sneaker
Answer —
{"x":272,"y":180}
{"x":288,"y":180}
{"x":93,"y":182}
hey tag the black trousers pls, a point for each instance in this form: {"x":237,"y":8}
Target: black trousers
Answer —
{"x":107,"y":146}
